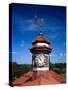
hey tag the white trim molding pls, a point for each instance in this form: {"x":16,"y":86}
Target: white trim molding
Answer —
{"x":42,"y":44}
{"x":41,"y":69}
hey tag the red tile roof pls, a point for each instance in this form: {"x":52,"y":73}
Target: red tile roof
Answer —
{"x":45,"y":78}
{"x":40,"y":38}
{"x":23,"y":78}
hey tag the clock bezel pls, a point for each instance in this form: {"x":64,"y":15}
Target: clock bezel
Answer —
{"x":44,"y":65}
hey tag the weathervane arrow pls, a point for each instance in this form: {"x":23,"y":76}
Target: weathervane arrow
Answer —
{"x":38,"y":22}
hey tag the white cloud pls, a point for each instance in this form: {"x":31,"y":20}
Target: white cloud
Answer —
{"x":61,"y":54}
{"x":22,"y":43}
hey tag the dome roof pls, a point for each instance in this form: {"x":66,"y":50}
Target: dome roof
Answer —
{"x":41,"y":38}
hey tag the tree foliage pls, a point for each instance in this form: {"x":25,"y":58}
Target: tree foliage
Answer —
{"x":20,"y":69}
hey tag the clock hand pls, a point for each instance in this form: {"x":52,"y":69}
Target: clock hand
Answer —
{"x":40,"y":58}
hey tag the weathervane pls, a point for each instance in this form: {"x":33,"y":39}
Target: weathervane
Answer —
{"x":39,"y":22}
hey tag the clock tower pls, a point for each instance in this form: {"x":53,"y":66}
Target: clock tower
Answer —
{"x":40,"y":55}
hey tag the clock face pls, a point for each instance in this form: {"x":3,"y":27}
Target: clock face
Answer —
{"x":41,"y":60}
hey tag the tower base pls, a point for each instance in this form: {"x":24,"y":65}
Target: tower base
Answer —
{"x":39,"y":72}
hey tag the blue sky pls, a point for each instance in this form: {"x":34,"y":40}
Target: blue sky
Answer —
{"x":24,"y":31}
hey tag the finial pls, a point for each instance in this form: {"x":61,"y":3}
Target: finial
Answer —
{"x":41,"y":33}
